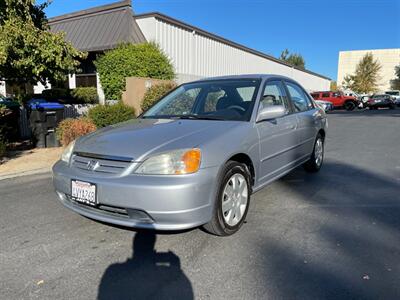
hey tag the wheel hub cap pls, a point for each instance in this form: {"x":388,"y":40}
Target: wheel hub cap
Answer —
{"x":234,"y":199}
{"x":319,"y":152}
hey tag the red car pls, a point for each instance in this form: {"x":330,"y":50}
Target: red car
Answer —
{"x":338,"y":99}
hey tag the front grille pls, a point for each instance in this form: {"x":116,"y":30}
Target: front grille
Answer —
{"x":129,"y":213}
{"x":99,"y":165}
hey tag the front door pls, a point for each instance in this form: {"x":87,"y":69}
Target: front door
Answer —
{"x":307,"y":117}
{"x":278,"y":137}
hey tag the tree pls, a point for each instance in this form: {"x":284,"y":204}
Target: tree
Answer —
{"x":366,"y":77}
{"x":395,"y":83}
{"x":333,"y":86}
{"x":29,"y":52}
{"x":128,"y":60}
{"x":294,"y":59}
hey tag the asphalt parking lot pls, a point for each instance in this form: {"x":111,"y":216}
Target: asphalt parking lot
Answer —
{"x":331,"y":235}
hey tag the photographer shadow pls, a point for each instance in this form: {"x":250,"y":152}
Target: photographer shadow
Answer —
{"x":147,"y":275}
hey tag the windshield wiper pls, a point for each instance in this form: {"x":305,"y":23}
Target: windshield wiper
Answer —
{"x":197,"y":117}
{"x":185,"y":117}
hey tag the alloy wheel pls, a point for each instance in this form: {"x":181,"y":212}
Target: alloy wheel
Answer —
{"x":319,"y":152}
{"x":235,"y":199}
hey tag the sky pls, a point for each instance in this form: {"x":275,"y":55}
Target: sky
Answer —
{"x":317,"y":29}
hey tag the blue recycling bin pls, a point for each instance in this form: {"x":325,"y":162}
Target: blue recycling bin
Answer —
{"x":44,"y":118}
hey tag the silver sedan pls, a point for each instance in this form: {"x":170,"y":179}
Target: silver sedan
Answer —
{"x":196,"y":156}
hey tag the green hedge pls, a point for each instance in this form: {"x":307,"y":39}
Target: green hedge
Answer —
{"x":3,"y":112}
{"x":105,"y":115}
{"x":3,"y":146}
{"x":129,"y":60}
{"x":56,"y":94}
{"x":85,"y":94}
{"x":154,"y":94}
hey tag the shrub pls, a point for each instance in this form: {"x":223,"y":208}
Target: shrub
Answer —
{"x":105,"y":115}
{"x":154,"y":94}
{"x":2,"y":147}
{"x":70,"y":129}
{"x":55,"y":94}
{"x":127,"y":60}
{"x":85,"y":94}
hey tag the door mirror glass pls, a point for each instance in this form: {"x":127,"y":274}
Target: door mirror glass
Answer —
{"x":271,"y":112}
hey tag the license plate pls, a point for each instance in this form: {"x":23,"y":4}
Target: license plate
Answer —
{"x":84,"y":192}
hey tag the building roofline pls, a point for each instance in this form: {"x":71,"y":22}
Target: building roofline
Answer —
{"x":369,"y":50}
{"x":221,"y":39}
{"x":90,"y":11}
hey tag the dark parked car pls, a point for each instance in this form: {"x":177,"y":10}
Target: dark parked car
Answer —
{"x":381,"y":100}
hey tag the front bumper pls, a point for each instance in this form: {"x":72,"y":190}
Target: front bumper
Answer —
{"x":142,"y":201}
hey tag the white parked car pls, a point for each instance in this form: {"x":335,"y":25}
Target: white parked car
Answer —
{"x":325,"y":105}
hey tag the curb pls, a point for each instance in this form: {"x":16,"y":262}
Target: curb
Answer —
{"x":25,"y":173}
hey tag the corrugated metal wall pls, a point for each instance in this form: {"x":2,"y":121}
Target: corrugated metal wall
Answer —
{"x":196,"y":56}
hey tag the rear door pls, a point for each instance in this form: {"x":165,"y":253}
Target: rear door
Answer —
{"x":306,"y":114}
{"x":278,"y":137}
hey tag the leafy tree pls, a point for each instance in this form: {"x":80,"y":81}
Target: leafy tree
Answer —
{"x":29,"y":52}
{"x":395,"y":83}
{"x":127,"y":60}
{"x":366,"y":77}
{"x":294,"y":59}
{"x":333,"y":86}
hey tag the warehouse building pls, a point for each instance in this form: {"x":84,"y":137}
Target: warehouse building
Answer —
{"x":388,"y":58}
{"x":195,"y":53}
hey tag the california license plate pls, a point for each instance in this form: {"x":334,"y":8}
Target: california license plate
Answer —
{"x":84,"y":192}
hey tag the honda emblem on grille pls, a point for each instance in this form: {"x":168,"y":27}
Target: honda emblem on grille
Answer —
{"x":92,"y":165}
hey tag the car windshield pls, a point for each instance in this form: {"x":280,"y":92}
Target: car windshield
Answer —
{"x":231,"y":99}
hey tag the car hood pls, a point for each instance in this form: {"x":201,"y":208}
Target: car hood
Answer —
{"x":138,"y":138}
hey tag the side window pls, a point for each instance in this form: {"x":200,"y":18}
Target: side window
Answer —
{"x":315,"y":95}
{"x":300,"y":100}
{"x":274,"y":94}
{"x":325,"y":95}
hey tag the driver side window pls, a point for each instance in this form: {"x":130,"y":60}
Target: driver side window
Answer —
{"x":299,"y":99}
{"x":274,"y":94}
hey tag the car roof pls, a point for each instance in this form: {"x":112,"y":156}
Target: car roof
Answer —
{"x":245,"y":76}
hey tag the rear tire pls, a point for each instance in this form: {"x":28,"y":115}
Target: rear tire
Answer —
{"x":391,"y":106}
{"x":349,"y":105}
{"x":232,"y":200}
{"x":314,"y":164}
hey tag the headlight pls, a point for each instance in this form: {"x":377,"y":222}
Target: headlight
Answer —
{"x":175,"y":162}
{"x":66,"y":155}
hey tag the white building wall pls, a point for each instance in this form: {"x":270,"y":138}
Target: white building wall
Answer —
{"x":197,"y":56}
{"x":388,"y":58}
{"x":38,"y":88}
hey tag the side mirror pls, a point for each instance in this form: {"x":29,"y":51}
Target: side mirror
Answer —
{"x":271,"y":112}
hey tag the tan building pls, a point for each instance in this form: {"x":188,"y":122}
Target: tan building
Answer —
{"x":388,"y":58}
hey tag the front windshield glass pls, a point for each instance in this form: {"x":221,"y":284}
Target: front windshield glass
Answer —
{"x":215,"y":99}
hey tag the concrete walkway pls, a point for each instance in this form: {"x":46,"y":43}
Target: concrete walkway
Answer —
{"x":29,"y":162}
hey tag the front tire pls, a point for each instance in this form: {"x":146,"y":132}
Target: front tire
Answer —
{"x":349,"y":105}
{"x":317,"y":156}
{"x":232,"y":200}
